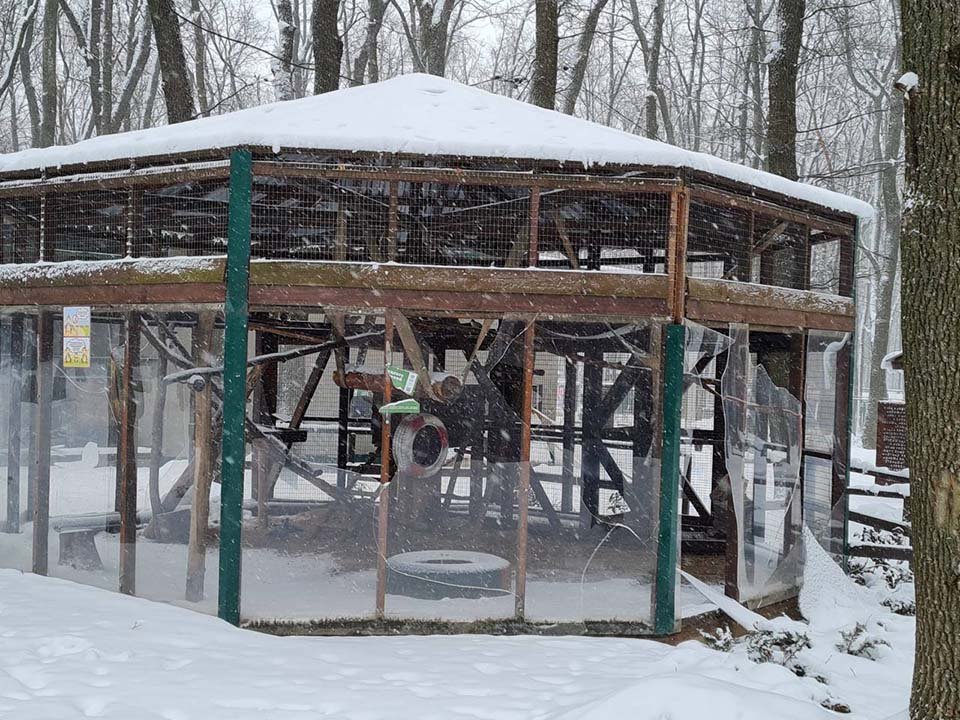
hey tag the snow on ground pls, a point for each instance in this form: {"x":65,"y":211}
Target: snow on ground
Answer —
{"x":70,"y":651}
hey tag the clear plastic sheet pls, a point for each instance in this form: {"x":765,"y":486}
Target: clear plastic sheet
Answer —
{"x":763,"y":443}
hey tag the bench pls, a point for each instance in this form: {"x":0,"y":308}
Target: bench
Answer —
{"x":78,"y":549}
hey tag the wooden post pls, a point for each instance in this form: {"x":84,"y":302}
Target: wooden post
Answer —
{"x":534,"y":252}
{"x":203,"y":461}
{"x":592,"y":437}
{"x":569,"y":433}
{"x":383,"y":511}
{"x":523,"y":491}
{"x":156,"y":438}
{"x":265,"y":408}
{"x":127,"y":456}
{"x":15,"y":399}
{"x":41,"y":490}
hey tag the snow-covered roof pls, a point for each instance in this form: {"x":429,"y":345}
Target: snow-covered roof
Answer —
{"x":419,"y":114}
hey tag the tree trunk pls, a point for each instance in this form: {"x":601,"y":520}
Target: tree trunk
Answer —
{"x":48,"y":75}
{"x":653,"y":72}
{"x":544,"y":89}
{"x":173,"y":62}
{"x":930,"y":250}
{"x":889,"y":261}
{"x":782,"y":115}
{"x":583,"y":56}
{"x":366,"y":60}
{"x":283,"y":68}
{"x":106,"y":65}
{"x":200,"y":59}
{"x":29,"y":91}
{"x":327,"y":46}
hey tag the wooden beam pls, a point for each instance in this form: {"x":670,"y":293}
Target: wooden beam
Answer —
{"x":203,"y":461}
{"x":127,"y":456}
{"x":523,"y":485}
{"x":42,"y":427}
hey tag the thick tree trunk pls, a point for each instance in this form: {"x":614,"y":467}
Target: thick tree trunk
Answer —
{"x":327,"y":46}
{"x":173,"y":62}
{"x":583,"y":56}
{"x":544,"y":88}
{"x":782,"y":116}
{"x":930,"y":251}
{"x":106,"y":65}
{"x":48,"y":75}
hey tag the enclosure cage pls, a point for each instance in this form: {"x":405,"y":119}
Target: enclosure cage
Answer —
{"x":347,"y":384}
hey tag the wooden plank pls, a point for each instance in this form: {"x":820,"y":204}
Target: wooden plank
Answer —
{"x":461,"y":176}
{"x":743,"y":202}
{"x":203,"y":461}
{"x":114,"y":181}
{"x":880,"y":523}
{"x":882,"y":552}
{"x":42,"y":427}
{"x":569,"y":434}
{"x":523,"y":489}
{"x":476,"y":304}
{"x":144,"y":297}
{"x":383,"y":511}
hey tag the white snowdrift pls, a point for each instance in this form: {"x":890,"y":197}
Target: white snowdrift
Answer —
{"x":70,"y":651}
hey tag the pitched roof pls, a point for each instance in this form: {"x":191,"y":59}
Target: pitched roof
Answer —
{"x":418,"y":114}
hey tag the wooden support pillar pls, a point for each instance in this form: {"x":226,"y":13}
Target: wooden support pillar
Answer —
{"x":523,"y":491}
{"x":592,"y":437}
{"x":127,"y":455}
{"x":203,"y":461}
{"x":343,"y":436}
{"x":841,"y":450}
{"x":265,"y":398}
{"x":569,"y":433}
{"x":42,"y":427}
{"x":156,"y":437}
{"x":383,"y":510}
{"x":12,"y":524}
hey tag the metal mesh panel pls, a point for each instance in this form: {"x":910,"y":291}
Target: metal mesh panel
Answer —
{"x":825,"y":265}
{"x":320,"y":219}
{"x":592,"y":230}
{"x":478,"y":225}
{"x":19,"y":230}
{"x":87,"y":225}
{"x":183,"y":219}
{"x":747,"y":246}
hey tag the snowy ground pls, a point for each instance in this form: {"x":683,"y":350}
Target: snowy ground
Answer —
{"x":69,"y":651}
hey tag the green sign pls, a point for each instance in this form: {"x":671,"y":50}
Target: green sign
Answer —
{"x":407,"y":405}
{"x":403,"y":380}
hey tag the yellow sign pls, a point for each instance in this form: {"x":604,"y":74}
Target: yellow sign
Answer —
{"x":76,"y":337}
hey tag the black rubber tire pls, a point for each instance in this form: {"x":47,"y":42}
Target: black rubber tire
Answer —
{"x":437,"y":574}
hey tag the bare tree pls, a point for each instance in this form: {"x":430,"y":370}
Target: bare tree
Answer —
{"x":173,"y":62}
{"x":48,"y":100}
{"x":584,"y":44}
{"x":782,"y":116}
{"x":327,"y":46}
{"x":543,"y":91}
{"x":283,"y":67}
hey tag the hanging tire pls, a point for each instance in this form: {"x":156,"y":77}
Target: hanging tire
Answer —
{"x":436,"y":574}
{"x":420,"y":445}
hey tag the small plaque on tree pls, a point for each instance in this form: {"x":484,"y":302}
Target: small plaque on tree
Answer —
{"x":892,"y":435}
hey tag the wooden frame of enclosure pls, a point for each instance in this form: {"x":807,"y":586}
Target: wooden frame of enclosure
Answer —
{"x":523,"y":292}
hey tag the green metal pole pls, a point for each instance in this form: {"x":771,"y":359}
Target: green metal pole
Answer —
{"x":668,"y":536}
{"x":234,"y":383}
